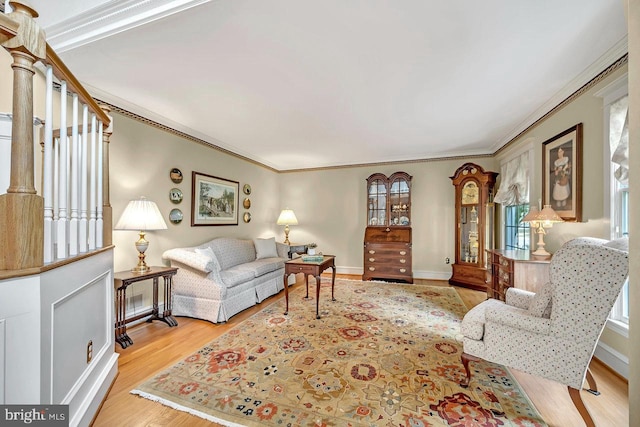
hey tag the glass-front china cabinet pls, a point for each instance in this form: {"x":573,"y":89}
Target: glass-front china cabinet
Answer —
{"x":474,"y":224}
{"x":387,"y":238}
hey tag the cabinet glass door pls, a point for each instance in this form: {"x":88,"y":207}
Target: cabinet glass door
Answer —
{"x":377,"y":203}
{"x":399,"y":202}
{"x":469,"y":206}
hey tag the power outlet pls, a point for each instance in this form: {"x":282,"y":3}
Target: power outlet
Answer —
{"x":447,"y":261}
{"x":89,"y":351}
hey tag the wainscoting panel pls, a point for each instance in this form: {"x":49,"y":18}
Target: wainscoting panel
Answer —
{"x":78,"y":308}
{"x":77,"y":319}
{"x":3,"y":348}
{"x":21,"y":346}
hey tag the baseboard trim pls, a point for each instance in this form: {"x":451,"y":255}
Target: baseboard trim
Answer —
{"x":97,"y":394}
{"x":616,"y":361}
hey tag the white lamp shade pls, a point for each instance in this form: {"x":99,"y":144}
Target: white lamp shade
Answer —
{"x":141,"y":215}
{"x":287,"y":217}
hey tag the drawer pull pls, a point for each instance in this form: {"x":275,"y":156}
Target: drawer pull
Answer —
{"x":402,"y":261}
{"x":403,"y":253}
{"x":372,"y":269}
{"x":372,"y":252}
{"x":403,"y":270}
{"x":372,"y":259}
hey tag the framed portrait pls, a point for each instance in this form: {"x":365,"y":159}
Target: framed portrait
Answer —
{"x":214,"y":200}
{"x":562,"y":173}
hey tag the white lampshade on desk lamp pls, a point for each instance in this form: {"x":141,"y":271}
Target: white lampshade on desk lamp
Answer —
{"x":287,"y":218}
{"x":141,"y":215}
{"x":540,"y":220}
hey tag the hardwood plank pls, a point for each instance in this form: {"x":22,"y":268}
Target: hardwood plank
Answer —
{"x":157,"y":346}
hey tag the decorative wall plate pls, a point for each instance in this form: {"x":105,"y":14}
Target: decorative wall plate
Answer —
{"x":175,"y":216}
{"x":175,"y":195}
{"x":246,"y":217}
{"x":246,"y":189}
{"x":246,"y":203}
{"x":176,"y":175}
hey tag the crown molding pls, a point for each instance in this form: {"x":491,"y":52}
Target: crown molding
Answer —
{"x":112,"y":18}
{"x":611,"y":56}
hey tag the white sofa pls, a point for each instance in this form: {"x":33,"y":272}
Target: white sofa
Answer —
{"x":224,"y":276}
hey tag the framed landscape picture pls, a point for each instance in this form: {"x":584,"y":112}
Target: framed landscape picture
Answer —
{"x":562,"y":173}
{"x":214,"y":200}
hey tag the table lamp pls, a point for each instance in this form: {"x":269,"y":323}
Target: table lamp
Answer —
{"x":287,"y":218}
{"x":541,"y":220}
{"x":141,"y":215}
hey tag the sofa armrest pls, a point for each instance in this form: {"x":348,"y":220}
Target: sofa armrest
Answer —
{"x":518,"y":318}
{"x":519,"y":298}
{"x":188,"y":256}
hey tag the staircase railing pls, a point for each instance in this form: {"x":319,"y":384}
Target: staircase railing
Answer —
{"x":72,"y":216}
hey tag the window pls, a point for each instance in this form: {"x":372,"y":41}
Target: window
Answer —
{"x":513,"y":195}
{"x":616,"y":155}
{"x":516,"y":233}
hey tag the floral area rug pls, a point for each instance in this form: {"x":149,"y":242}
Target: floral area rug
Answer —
{"x":381,"y":355}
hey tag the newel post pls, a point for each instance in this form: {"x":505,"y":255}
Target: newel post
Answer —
{"x":107,"y":213}
{"x":21,"y":209}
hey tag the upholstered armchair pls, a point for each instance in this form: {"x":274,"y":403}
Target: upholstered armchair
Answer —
{"x":552,"y":333}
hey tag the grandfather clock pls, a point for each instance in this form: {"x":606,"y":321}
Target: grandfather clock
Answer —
{"x":474,"y":225}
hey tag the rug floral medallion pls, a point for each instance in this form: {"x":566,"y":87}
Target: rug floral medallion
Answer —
{"x":381,"y":355}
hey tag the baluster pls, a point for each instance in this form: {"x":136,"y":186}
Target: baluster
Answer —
{"x":99,"y":223}
{"x":92,"y":186}
{"x":82,"y":234}
{"x":73,"y":223}
{"x":62,"y":178}
{"x":56,"y":191}
{"x":48,"y":168}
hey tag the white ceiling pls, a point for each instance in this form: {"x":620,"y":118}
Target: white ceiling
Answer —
{"x":301,"y":84}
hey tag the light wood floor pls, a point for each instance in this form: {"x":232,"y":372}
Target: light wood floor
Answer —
{"x":156,"y":346}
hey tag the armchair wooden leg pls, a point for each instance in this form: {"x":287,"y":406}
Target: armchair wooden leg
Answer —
{"x":466,"y":358}
{"x":577,"y":401}
{"x":593,"y":387}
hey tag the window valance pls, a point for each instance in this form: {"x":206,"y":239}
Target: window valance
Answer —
{"x":514,"y":184}
{"x":619,"y":138}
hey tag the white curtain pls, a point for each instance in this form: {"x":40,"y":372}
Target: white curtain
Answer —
{"x":514,"y":183}
{"x":619,"y":138}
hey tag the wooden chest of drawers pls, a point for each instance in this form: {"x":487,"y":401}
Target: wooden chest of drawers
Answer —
{"x":513,"y":268}
{"x":387,"y":254}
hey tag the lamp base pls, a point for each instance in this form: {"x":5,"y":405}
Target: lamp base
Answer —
{"x":286,"y":235}
{"x":541,"y":253}
{"x":141,"y":245}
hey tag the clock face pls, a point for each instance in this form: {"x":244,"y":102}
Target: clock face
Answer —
{"x":470,"y":193}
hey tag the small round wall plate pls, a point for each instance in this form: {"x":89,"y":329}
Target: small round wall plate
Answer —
{"x":246,"y":203}
{"x":246,"y":217}
{"x":176,"y":175}
{"x":175,"y":216}
{"x":175,"y":195}
{"x":246,"y":189}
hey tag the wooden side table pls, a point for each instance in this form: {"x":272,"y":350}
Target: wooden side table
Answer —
{"x":123,"y":279}
{"x":514,"y":268}
{"x":309,"y":269}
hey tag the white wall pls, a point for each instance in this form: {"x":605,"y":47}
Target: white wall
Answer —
{"x":331,"y":209}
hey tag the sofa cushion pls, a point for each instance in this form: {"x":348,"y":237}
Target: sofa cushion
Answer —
{"x":231,"y":252}
{"x":235,"y":276}
{"x":262,"y":266}
{"x":265,"y":248}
